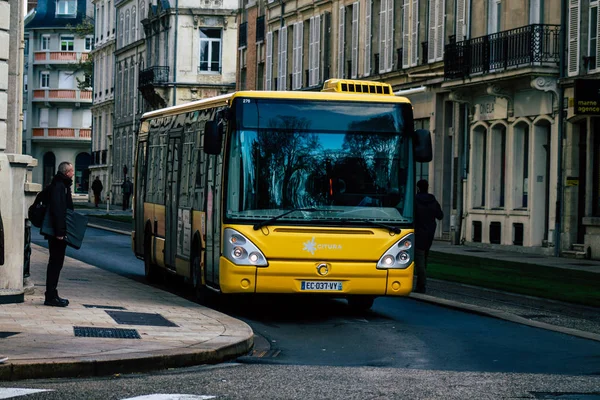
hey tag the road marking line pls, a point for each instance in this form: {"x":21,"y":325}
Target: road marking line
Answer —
{"x":172,"y":397}
{"x":7,"y":393}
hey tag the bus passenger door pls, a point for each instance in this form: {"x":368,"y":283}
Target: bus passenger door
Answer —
{"x":213,"y":220}
{"x":172,"y":198}
{"x":140,"y":195}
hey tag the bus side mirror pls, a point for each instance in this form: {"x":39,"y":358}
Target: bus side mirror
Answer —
{"x":422,"y":146}
{"x":212,"y":137}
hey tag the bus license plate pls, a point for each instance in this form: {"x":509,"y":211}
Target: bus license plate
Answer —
{"x":321,"y":285}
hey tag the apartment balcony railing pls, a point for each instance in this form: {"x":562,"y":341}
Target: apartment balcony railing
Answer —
{"x":58,"y":57}
{"x":62,"y":95}
{"x":531,"y":45}
{"x":62,"y":133}
{"x":153,"y":76}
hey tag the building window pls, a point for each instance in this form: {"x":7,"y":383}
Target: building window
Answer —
{"x":210,"y":50}
{"x":44,"y":79}
{"x":25,"y":83}
{"x":593,"y":35}
{"x":88,"y":43}
{"x":67,"y":43}
{"x":66,"y":7}
{"x":45,"y":42}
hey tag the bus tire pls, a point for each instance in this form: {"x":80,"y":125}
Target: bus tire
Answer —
{"x":196,"y":272}
{"x":150,"y":269}
{"x":361,"y":303}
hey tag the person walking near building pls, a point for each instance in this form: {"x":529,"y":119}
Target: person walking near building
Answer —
{"x":97,"y":189}
{"x":127,"y":187}
{"x":427,"y":210}
{"x":60,"y":201}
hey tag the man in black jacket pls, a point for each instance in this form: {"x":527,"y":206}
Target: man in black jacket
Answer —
{"x":60,"y":201}
{"x":427,"y":210}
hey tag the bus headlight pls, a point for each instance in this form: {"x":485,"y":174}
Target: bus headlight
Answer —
{"x":400,"y":255}
{"x":241,"y":251}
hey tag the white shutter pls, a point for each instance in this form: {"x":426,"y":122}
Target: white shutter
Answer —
{"x":406,"y":34}
{"x":354,"y":72}
{"x":598,"y":37}
{"x":534,"y":12}
{"x":414,"y":33}
{"x":389,"y":33}
{"x":382,"y":30}
{"x":86,"y":119}
{"x":368,"y":30}
{"x":269,"y":62}
{"x":573,"y":50}
{"x":312,"y":53}
{"x":341,"y":31}
{"x":295,"y":57}
{"x":439,"y":34}
{"x":433,"y":4}
{"x":66,"y":80}
{"x":317,"y":62}
{"x":43,"y":117}
{"x":65,"y":118}
{"x":461,"y":6}
{"x":282,"y":81}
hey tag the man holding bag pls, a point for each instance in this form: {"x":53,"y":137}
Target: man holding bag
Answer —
{"x":59,"y":201}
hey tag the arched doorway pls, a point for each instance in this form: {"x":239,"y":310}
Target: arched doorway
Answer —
{"x":82,"y":172}
{"x":49,"y":168}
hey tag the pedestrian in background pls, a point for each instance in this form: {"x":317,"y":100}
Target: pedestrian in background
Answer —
{"x":60,"y":201}
{"x":427,"y":210}
{"x":97,"y":189}
{"x":127,"y":187}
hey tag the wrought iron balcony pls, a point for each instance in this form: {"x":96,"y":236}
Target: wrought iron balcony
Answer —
{"x":153,"y":76}
{"x":531,"y":45}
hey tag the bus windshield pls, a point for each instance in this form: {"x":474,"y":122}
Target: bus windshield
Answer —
{"x":333,"y":161}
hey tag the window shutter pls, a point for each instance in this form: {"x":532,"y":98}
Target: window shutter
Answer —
{"x":461,"y":18}
{"x":406,"y":34}
{"x":414,"y":34}
{"x":269,"y":61}
{"x":297,"y":55}
{"x":382,"y":30}
{"x":317,"y":64}
{"x":389,"y":40}
{"x":313,"y":55}
{"x":433,"y":5}
{"x":573,"y":51}
{"x":598,"y":38}
{"x":439,"y":37}
{"x":368,"y":30}
{"x":342,"y":17}
{"x":282,"y":80}
{"x":355,"y":40}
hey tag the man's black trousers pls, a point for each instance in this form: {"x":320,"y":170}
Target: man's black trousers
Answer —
{"x":57,"y":250}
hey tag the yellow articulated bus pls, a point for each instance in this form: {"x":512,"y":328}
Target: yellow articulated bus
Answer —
{"x":282,"y":192}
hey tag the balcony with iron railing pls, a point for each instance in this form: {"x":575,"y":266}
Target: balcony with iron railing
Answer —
{"x":79,"y":134}
{"x":62,"y":95}
{"x":59,"y":57}
{"x":153,"y":76}
{"x":527,"y":46}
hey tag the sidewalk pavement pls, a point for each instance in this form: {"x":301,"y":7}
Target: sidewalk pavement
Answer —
{"x":112,"y":325}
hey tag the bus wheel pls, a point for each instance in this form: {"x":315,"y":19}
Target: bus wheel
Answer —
{"x":199,"y":289}
{"x":361,"y":303}
{"x":150,"y":269}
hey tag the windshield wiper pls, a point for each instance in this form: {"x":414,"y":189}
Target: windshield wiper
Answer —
{"x":270,"y":221}
{"x":394,"y":229}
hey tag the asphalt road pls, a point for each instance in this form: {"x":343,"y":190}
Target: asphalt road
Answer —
{"x":397,"y":333}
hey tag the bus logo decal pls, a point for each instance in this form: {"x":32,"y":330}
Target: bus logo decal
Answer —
{"x":311,"y":246}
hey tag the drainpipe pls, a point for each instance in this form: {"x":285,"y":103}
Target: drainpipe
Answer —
{"x":175,"y":54}
{"x":561,"y":118}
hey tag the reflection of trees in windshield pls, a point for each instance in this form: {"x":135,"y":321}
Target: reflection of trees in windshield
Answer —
{"x":283,"y":153}
{"x":299,"y":168}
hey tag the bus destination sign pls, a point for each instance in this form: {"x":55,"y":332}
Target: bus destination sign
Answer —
{"x":587,"y":97}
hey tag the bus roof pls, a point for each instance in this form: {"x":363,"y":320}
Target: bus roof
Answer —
{"x":225,"y":99}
